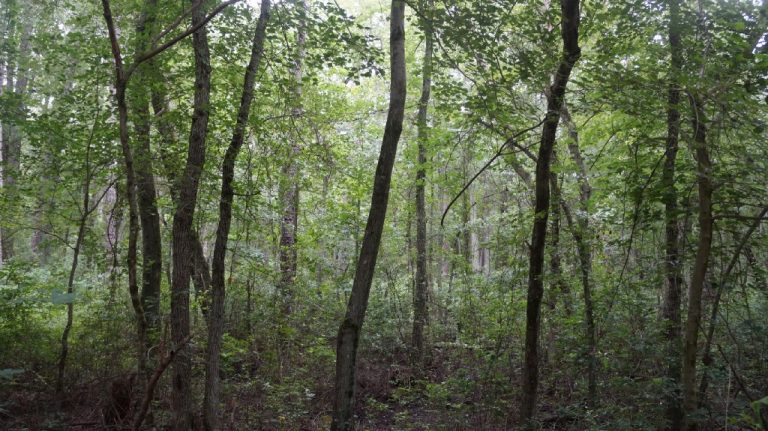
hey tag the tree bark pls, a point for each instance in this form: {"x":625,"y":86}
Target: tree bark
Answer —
{"x":201,"y":274}
{"x":701,"y":264}
{"x":211,"y":401}
{"x":349,"y":331}
{"x":420,"y":310}
{"x":16,"y":80}
{"x":183,"y":245}
{"x":584,"y":251}
{"x":121,"y":82}
{"x":672,"y":292}
{"x":151,"y":241}
{"x":289,"y":184}
{"x":555,"y":96}
{"x":85,"y":211}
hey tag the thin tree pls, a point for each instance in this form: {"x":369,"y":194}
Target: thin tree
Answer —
{"x":349,"y":332}
{"x":289,"y":183}
{"x":183,"y":245}
{"x":211,"y":401}
{"x":420,"y":310}
{"x":570,"y":18}
{"x":85,"y":211}
{"x":672,"y":289}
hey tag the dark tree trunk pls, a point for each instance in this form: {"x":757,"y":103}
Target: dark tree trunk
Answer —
{"x":16,"y":80}
{"x":349,"y":331}
{"x":289,"y":183}
{"x":121,"y":82}
{"x":701,"y":264}
{"x":211,"y":401}
{"x":555,"y":96}
{"x":201,"y":274}
{"x":420,"y":310}
{"x":151,"y":252}
{"x":672,"y":294}
{"x":183,"y":244}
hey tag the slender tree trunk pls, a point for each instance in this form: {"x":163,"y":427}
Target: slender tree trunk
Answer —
{"x":674,"y":281}
{"x":724,"y":278}
{"x":130,"y":184}
{"x":289,"y":183}
{"x":85,"y":211}
{"x":201,"y":274}
{"x":555,"y":96}
{"x":212,"y":399}
{"x":349,"y":331}
{"x":183,"y":245}
{"x":584,"y":251}
{"x":701,"y":264}
{"x":420,"y":310}
{"x":145,"y":182}
{"x":17,"y":78}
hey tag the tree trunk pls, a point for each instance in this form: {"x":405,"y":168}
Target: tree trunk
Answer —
{"x":183,"y":245}
{"x":701,"y":264}
{"x":211,"y":401}
{"x":555,"y":96}
{"x":130,"y":183}
{"x":349,"y":331}
{"x":201,"y":274}
{"x":289,"y":183}
{"x":85,"y":211}
{"x":151,"y":242}
{"x":707,"y":356}
{"x":584,"y":251}
{"x":17,"y":77}
{"x":672,"y":294}
{"x":420,"y":310}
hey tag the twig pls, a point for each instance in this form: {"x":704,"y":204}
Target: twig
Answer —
{"x":510,"y":141}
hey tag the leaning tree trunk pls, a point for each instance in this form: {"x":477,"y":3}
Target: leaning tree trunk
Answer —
{"x":289,"y":183}
{"x":349,"y":331}
{"x":701,"y":264}
{"x":420,"y":311}
{"x":183,"y":246}
{"x":672,"y":293}
{"x":211,"y":401}
{"x":555,"y":96}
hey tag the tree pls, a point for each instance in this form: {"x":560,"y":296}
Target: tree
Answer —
{"x":570,"y":17}
{"x":211,"y":408}
{"x":420,"y":308}
{"x":349,"y":332}
{"x":183,"y":251}
{"x":674,"y":281}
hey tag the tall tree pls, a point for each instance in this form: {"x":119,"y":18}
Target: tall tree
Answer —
{"x":151,"y":245}
{"x":349,"y":332}
{"x":672,"y":288}
{"x":16,"y":68}
{"x":183,"y":245}
{"x":216,"y":317}
{"x":289,"y":183}
{"x":420,"y":311}
{"x":570,"y":19}
{"x":581,"y":235}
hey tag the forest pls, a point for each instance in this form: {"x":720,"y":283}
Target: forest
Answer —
{"x":370,"y":215}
